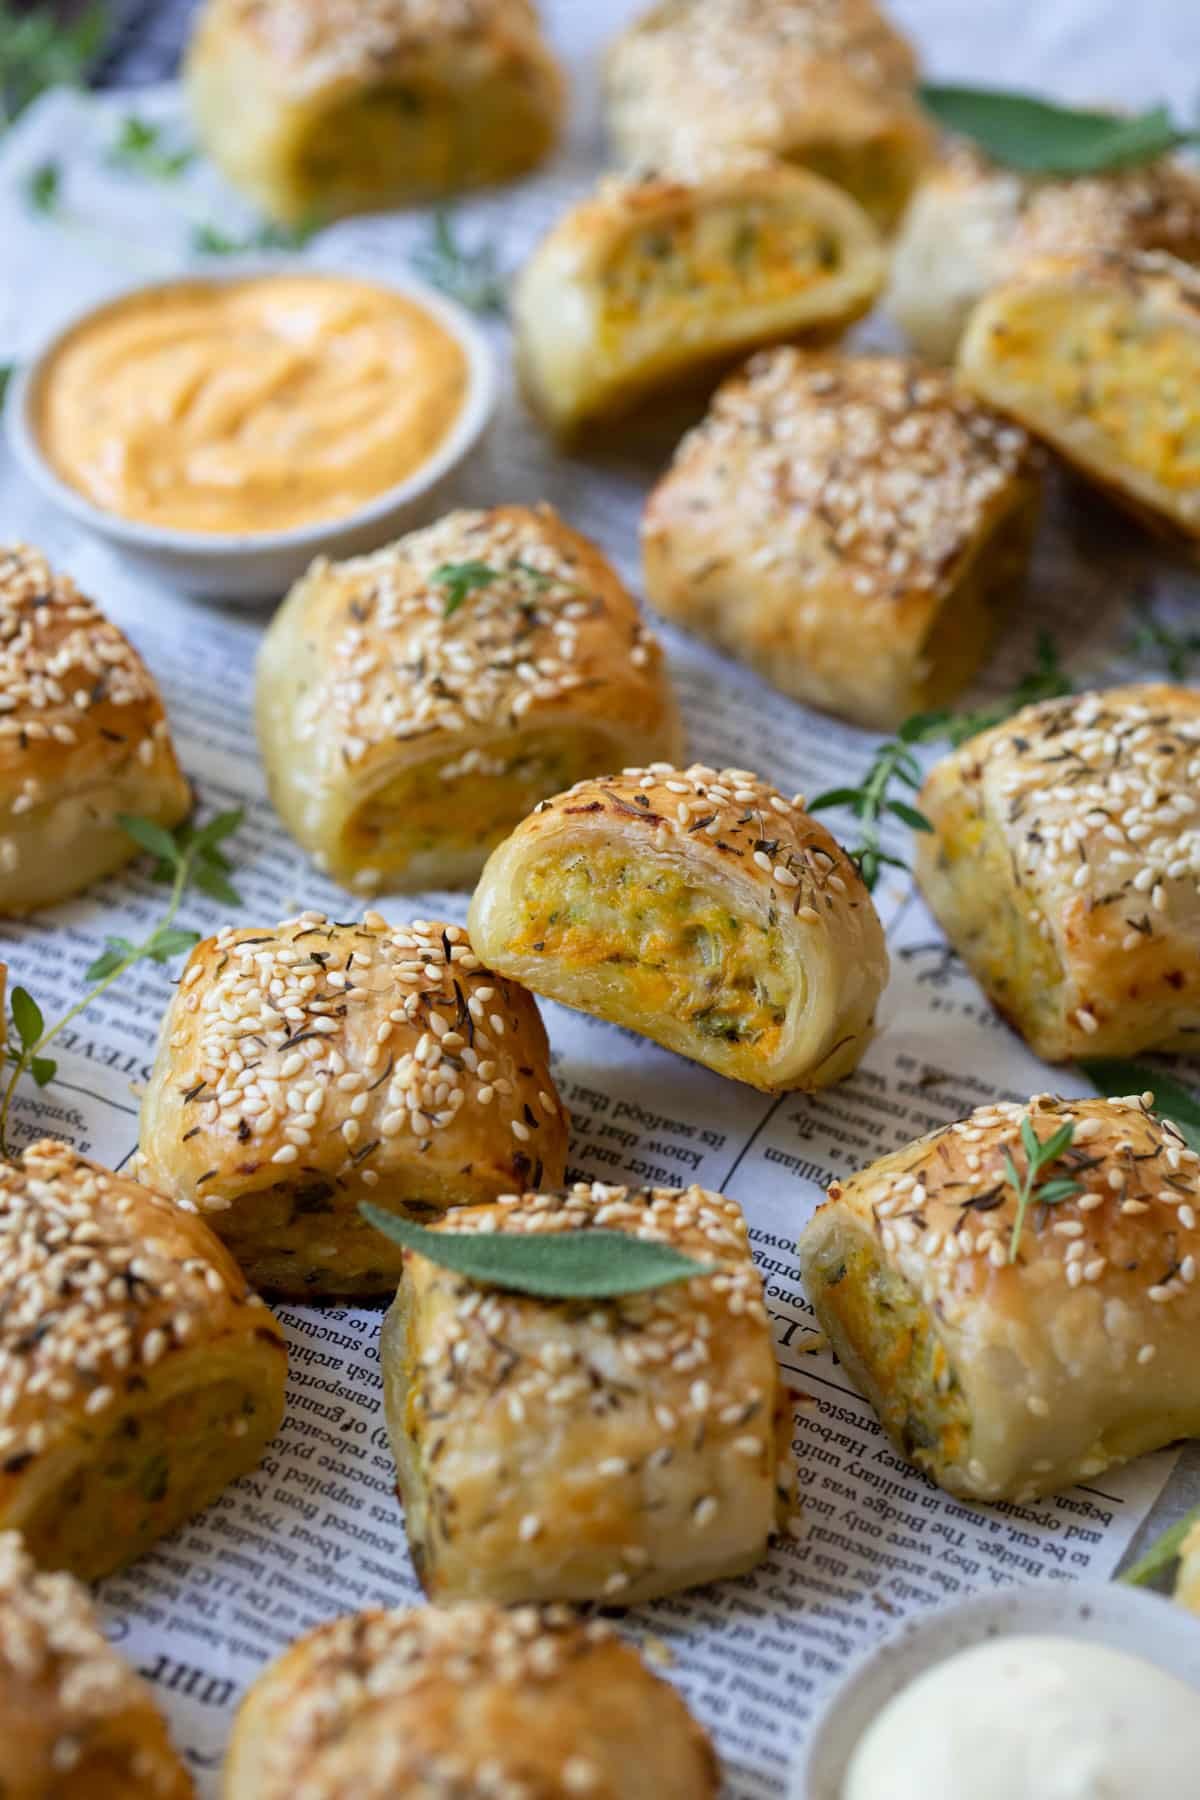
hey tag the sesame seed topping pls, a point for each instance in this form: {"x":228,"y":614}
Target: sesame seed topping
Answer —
{"x":263,"y":1065}
{"x":868,"y":470}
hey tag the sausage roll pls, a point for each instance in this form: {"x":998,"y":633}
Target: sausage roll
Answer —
{"x":414,"y":704}
{"x":1002,"y":1376}
{"x":1064,"y":866}
{"x":853,"y":528}
{"x":971,"y":225}
{"x":470,"y":1701}
{"x":829,"y":86}
{"x":140,"y":1374}
{"x":595,"y":1450}
{"x":83,"y":737}
{"x":1100,"y":356}
{"x":321,"y":107}
{"x":305,"y":1069}
{"x":659,"y":278}
{"x":76,"y":1723}
{"x":699,"y":908}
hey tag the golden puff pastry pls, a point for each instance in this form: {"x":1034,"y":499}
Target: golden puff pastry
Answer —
{"x":828,"y":84}
{"x":852,"y":527}
{"x":971,"y":225}
{"x":1064,"y":866}
{"x":305,"y":1069}
{"x":604,"y":1450}
{"x":1100,"y":356}
{"x":76,"y":1723}
{"x":414,"y":704}
{"x":468,"y":1701}
{"x":1003,"y":1378}
{"x":699,"y":908}
{"x":83,"y":737}
{"x":321,"y":107}
{"x":659,"y":278}
{"x":140,"y":1375}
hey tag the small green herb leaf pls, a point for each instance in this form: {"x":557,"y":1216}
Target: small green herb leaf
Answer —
{"x":170,"y":941}
{"x":211,"y":880}
{"x":151,"y":837}
{"x":567,"y":1265}
{"x":141,"y":146}
{"x":1038,"y":1156}
{"x":1162,"y":1553}
{"x":210,"y":240}
{"x":1024,"y":132}
{"x":119,"y":950}
{"x":27,"y":1017}
{"x":43,"y":1069}
{"x":909,"y":814}
{"x":43,"y":187}
{"x":1115,"y":1078}
{"x":457,"y":580}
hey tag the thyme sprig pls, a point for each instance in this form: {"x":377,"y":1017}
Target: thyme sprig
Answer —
{"x":210,"y":240}
{"x":591,"y":1264}
{"x":1039,"y":1155}
{"x":1040,"y":137}
{"x":472,"y":277}
{"x":187,"y":857}
{"x":38,"y":51}
{"x":894,"y":763}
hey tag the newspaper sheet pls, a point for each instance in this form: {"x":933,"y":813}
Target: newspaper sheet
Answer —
{"x":316,"y":1530}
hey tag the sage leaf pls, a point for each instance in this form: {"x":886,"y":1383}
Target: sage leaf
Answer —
{"x":1041,"y":138}
{"x":1162,"y":1553}
{"x":561,"y":1265}
{"x":1115,"y":1078}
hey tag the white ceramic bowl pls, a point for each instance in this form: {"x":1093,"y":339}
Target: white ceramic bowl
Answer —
{"x":1141,"y":1624}
{"x":253,"y":566}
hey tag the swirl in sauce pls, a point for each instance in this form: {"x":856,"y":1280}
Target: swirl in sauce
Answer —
{"x":251,"y":405}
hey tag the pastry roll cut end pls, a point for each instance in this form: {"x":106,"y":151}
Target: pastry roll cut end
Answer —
{"x":1002,"y":1375}
{"x":852,"y":527}
{"x":1100,"y":356}
{"x":972,"y":225}
{"x":700,"y":908}
{"x":143,"y":1375}
{"x":547,"y":1450}
{"x":662,"y":277}
{"x":316,"y":108}
{"x":466,"y":1699}
{"x":76,"y":1722}
{"x":829,"y":87}
{"x":388,"y":1065}
{"x":1064,"y":866}
{"x":414,"y":704}
{"x":83,"y":738}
